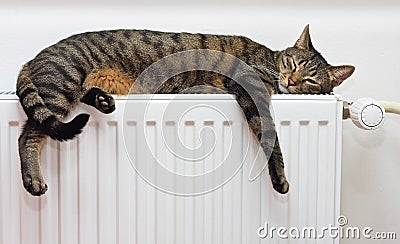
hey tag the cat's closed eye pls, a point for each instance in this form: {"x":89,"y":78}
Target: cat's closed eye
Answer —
{"x":311,"y":81}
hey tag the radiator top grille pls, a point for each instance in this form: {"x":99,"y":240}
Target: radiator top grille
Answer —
{"x":7,"y":92}
{"x":7,"y":95}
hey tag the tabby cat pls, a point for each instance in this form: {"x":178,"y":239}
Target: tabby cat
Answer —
{"x":89,"y":67}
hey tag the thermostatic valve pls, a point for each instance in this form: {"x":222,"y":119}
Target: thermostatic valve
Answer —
{"x":367,"y":113}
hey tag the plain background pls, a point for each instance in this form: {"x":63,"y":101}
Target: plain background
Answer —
{"x":365,"y":34}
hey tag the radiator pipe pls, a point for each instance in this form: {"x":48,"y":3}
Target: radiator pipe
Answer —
{"x":391,"y":107}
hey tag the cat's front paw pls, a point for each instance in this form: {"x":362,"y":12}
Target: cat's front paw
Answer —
{"x":105,"y":103}
{"x":35,"y":185}
{"x":281,"y":185}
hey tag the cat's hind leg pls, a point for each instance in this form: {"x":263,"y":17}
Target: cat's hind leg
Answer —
{"x":101,"y":83}
{"x":30,"y":143}
{"x":99,"y":99}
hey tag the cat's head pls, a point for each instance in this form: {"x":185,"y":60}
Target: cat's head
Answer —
{"x":303,"y":70}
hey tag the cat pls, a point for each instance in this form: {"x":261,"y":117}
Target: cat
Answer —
{"x":89,"y":67}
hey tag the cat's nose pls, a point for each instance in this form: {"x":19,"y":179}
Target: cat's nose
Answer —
{"x":291,"y":82}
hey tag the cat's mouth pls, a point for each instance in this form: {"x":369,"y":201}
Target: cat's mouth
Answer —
{"x":283,"y":88}
{"x":283,"y":84}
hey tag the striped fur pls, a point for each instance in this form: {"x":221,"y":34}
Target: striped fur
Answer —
{"x":39,"y":113}
{"x":89,"y":67}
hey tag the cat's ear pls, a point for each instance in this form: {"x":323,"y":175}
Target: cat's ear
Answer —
{"x":339,"y":73}
{"x":304,"y":41}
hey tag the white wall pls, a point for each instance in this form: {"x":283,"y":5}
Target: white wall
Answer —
{"x":364,"y":34}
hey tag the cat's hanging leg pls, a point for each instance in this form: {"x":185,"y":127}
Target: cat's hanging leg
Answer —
{"x":276,"y":169}
{"x":30,"y":143}
{"x":264,"y":130}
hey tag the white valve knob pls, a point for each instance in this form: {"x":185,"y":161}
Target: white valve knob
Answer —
{"x":367,"y":113}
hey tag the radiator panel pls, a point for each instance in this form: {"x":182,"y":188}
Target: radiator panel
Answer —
{"x":96,"y":196}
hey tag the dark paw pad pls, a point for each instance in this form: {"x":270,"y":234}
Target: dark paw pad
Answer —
{"x":105,"y":103}
{"x":34,"y":185}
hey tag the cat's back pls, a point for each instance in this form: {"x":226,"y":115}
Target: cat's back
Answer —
{"x":131,"y":51}
{"x":146,"y":45}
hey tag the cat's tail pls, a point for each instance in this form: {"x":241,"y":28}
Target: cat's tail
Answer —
{"x":40,"y":115}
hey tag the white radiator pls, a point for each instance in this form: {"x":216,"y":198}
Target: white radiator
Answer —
{"x":96,"y":196}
